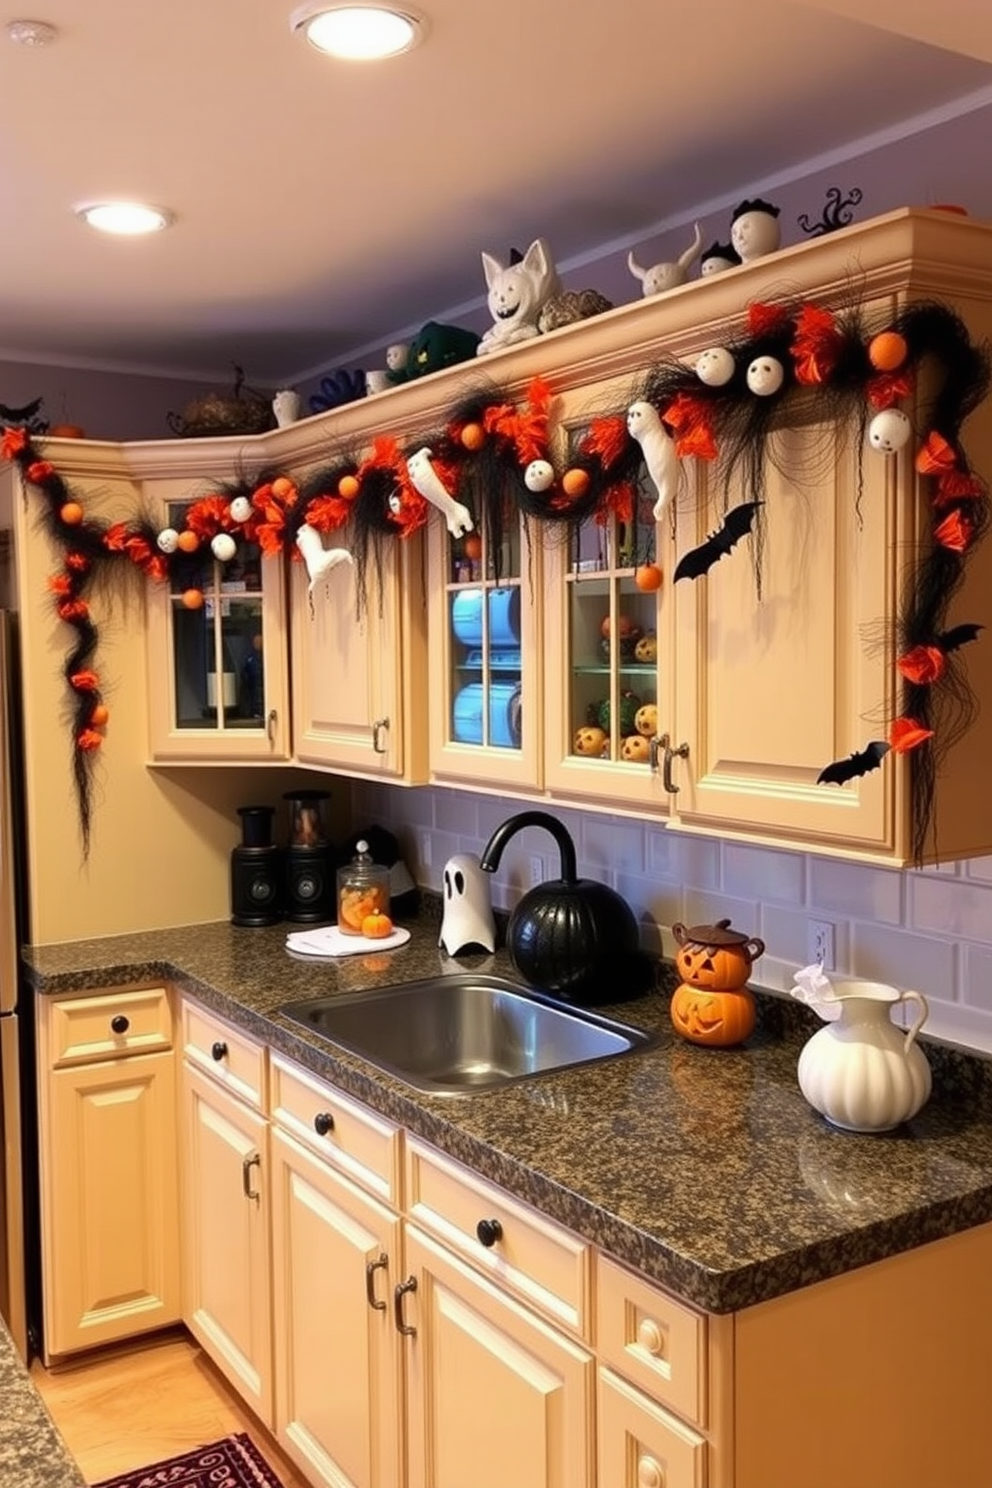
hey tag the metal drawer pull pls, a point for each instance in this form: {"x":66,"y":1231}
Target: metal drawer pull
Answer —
{"x":399,"y":1291}
{"x":323,"y":1123}
{"x":489,"y":1231}
{"x":380,"y":725}
{"x":246,"y":1166}
{"x":682,"y":752}
{"x":371,"y":1267}
{"x":218,"y":1051}
{"x":120,"y":1024}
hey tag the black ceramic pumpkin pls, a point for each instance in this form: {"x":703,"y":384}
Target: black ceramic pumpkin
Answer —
{"x":571,"y":936}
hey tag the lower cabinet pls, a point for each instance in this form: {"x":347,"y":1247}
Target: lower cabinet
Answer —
{"x":496,"y":1395}
{"x":337,"y":1364}
{"x":226,"y":1249}
{"x":109,"y":1176}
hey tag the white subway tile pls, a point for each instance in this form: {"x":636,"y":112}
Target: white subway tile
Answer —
{"x":786,"y":936}
{"x":954,"y":907}
{"x":607,"y":842}
{"x":690,"y":860}
{"x":707,"y":909}
{"x":927,"y":964}
{"x":976,"y":977}
{"x":778,"y":876}
{"x":979,"y":869}
{"x":855,"y":889}
{"x":456,"y":812}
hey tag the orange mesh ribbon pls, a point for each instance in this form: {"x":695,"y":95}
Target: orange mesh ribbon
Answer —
{"x":84,"y":681}
{"x":906,"y":734}
{"x":955,"y":485}
{"x":923,"y":664}
{"x":325,"y":513}
{"x":935,"y":455}
{"x":60,"y":584}
{"x":618,"y":499}
{"x":208,"y":516}
{"x":88,"y":739}
{"x":689,"y":418}
{"x":887,"y":388}
{"x":607,"y":438}
{"x":955,"y":531}
{"x":764,"y":320}
{"x":39,"y":470}
{"x":71,"y":610}
{"x":12,"y":442}
{"x":817,"y":345}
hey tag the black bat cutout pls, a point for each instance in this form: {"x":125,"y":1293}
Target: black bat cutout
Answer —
{"x":736,"y":524}
{"x":950,"y":640}
{"x":841,"y":771}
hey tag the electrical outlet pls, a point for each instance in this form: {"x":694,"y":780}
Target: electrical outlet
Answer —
{"x":820,"y":943}
{"x":424,"y":849}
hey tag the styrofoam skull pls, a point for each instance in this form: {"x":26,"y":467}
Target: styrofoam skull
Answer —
{"x":889,"y":431}
{"x":715,"y":366}
{"x":239,"y":509}
{"x":539,"y":476}
{"x":223,"y":547}
{"x":765,"y":376}
{"x":755,"y":232}
{"x":168,"y":540}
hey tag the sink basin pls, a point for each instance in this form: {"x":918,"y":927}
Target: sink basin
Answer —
{"x":458,"y":1034}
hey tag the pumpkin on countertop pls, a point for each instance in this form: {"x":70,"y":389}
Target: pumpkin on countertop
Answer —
{"x":712,"y":1004}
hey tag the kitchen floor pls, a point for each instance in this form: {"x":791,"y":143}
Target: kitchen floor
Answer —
{"x":122,"y":1410}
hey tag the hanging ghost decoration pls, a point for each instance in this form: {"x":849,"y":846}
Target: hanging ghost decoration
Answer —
{"x":318,"y":559}
{"x":426,"y":480}
{"x":658,"y":447}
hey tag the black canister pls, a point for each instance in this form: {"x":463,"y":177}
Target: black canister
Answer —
{"x":256,"y":870}
{"x":310,"y":863}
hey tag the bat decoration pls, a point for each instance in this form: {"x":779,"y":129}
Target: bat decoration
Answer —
{"x":959,"y":635}
{"x":841,"y":771}
{"x":737,"y":524}
{"x":29,"y":417}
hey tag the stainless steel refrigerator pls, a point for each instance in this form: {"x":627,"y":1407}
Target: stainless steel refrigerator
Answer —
{"x":18,"y":1172}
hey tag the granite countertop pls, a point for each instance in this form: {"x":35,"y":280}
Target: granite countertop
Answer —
{"x":705,"y":1169}
{"x":32,"y":1453}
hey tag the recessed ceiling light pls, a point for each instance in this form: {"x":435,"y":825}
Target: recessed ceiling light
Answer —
{"x":126,"y":219}
{"x":358,"y":33}
{"x":31,"y":33}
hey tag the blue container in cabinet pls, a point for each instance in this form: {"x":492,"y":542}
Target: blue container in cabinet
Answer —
{"x":504,"y":714}
{"x":504,"y":620}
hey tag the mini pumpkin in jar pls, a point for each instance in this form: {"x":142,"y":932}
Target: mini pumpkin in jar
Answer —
{"x":712,"y":1004}
{"x":363,"y":892}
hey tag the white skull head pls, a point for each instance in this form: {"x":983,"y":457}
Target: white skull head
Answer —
{"x":715,"y":366}
{"x":539,"y":476}
{"x":765,"y":376}
{"x":889,"y":431}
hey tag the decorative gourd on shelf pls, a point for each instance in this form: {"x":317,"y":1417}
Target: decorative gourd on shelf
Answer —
{"x":712,"y":1004}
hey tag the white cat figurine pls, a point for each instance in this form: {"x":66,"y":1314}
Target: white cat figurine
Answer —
{"x":517,"y":294}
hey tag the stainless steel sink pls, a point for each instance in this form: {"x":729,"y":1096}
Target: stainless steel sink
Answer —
{"x":457,"y":1034}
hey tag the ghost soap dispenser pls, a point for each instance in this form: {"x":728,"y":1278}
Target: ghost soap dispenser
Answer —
{"x":468,"y":915}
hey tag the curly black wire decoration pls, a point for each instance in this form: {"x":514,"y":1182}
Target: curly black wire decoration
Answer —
{"x":837,"y":212}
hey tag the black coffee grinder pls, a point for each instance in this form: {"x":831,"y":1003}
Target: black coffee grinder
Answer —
{"x":256,"y":870}
{"x":310,"y":860}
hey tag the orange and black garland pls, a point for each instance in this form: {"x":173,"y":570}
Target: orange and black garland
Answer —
{"x":494,"y":458}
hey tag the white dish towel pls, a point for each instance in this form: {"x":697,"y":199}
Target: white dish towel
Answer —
{"x":327,"y":940}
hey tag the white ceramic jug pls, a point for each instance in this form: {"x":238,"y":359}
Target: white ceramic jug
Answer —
{"x":862,"y":1072}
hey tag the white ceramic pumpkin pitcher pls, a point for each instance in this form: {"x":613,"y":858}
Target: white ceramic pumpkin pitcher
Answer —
{"x":862,"y":1072}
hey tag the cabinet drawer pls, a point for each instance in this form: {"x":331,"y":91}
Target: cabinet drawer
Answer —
{"x":224,"y":1053}
{"x":655,"y":1341}
{"x":641,"y":1445}
{"x":358,"y":1142}
{"x":84,"y":1029}
{"x":539,"y":1259}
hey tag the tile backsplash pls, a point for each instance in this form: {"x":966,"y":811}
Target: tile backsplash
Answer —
{"x":928,"y":929}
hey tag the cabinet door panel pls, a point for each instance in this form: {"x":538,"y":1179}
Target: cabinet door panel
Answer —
{"x":226,"y":1245}
{"x":496,"y":1396}
{"x":772,"y":688}
{"x":347,"y":697}
{"x":111,"y":1252}
{"x":338,"y":1406}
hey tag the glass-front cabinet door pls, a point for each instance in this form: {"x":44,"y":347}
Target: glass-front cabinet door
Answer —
{"x":486,"y":665}
{"x":217,"y":672}
{"x":609,"y":697}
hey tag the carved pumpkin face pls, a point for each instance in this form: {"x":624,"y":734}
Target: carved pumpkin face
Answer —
{"x":720,"y":1019}
{"x":717,"y":967}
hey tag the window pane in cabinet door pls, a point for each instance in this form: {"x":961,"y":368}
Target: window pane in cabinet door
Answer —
{"x":485,"y":640}
{"x":218,"y":663}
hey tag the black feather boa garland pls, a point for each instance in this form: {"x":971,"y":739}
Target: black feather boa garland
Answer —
{"x":491,"y":463}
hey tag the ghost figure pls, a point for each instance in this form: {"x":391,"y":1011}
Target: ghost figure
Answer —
{"x":658,"y":448}
{"x":468,"y":916}
{"x":427,"y":481}
{"x":889,"y":431}
{"x":318,"y":559}
{"x":715,"y":366}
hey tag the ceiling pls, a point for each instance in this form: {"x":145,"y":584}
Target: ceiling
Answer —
{"x":322,"y":207}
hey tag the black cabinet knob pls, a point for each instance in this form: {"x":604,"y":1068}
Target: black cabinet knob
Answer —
{"x":218,"y":1050}
{"x":489,"y":1231}
{"x":120,"y":1024}
{"x":323,"y":1122}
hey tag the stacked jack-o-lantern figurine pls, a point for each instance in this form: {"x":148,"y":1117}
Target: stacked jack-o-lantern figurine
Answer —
{"x":712,"y":1004}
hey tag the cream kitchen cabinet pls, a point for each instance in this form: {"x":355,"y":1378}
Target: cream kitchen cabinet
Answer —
{"x":336,"y":1259}
{"x":109,"y":1181}
{"x":226,"y":1189}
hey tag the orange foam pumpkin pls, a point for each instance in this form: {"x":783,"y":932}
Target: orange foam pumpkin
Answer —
{"x":717,"y":1018}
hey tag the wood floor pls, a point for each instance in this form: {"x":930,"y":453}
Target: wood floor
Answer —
{"x":119,"y":1411}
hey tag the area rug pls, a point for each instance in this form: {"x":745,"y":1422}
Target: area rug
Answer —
{"x":234,"y":1462}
